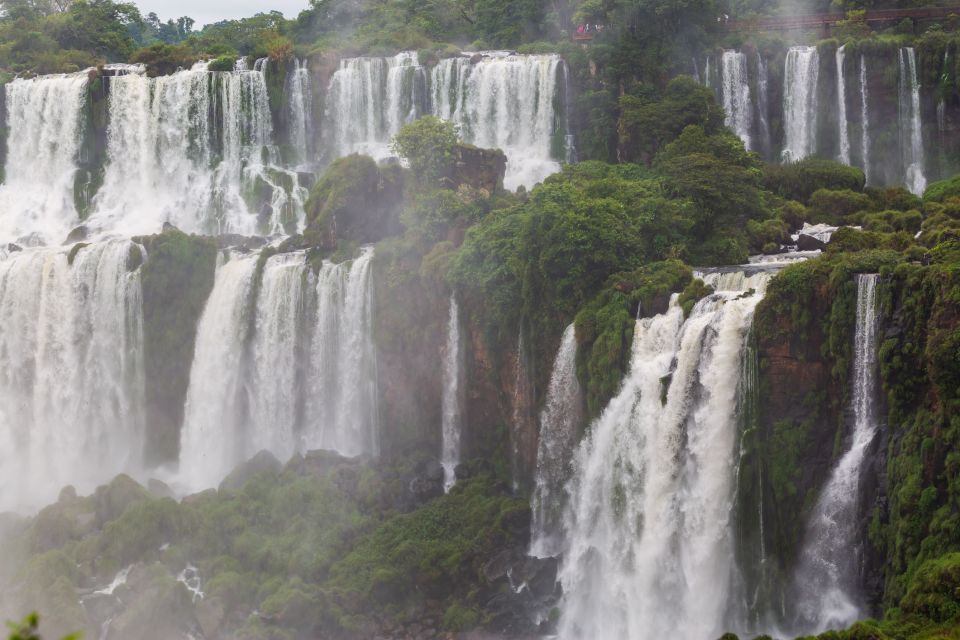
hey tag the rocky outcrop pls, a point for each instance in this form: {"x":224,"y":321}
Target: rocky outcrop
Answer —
{"x":478,"y":168}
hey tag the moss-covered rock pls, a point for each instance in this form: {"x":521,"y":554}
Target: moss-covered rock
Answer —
{"x":176,"y":279}
{"x":356,"y":202}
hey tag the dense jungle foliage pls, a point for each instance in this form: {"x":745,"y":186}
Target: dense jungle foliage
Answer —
{"x":340,"y":547}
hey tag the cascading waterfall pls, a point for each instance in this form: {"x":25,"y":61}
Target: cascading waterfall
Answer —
{"x":559,"y":422}
{"x":45,"y":120}
{"x":800,"y":103}
{"x":763,"y":108}
{"x":194,"y":149}
{"x":285,"y":364}
{"x":300,"y":105}
{"x":71,"y":369}
{"x":452,"y":406}
{"x":273,"y":388}
{"x":844,"y":130}
{"x":369,"y":99}
{"x":209,"y":442}
{"x":911,"y":131}
{"x":506,"y":102}
{"x":736,"y":96}
{"x":342,"y":408}
{"x":828,"y":573}
{"x":649,"y":550}
{"x":864,"y":120}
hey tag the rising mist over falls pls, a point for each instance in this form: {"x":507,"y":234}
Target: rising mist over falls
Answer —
{"x":328,"y":345}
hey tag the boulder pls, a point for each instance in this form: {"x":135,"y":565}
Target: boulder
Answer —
{"x":427,"y":484}
{"x":112,"y":500}
{"x":263,"y":462}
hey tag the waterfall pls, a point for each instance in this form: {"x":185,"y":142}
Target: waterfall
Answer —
{"x":285,"y":364}
{"x":342,"y":408}
{"x":45,"y":121}
{"x":559,"y":422}
{"x":210,"y":440}
{"x":827,"y":577}
{"x":369,"y":99}
{"x":649,"y":550}
{"x":763,"y":108}
{"x":736,"y":96}
{"x":451,"y":402}
{"x":844,"y":131}
{"x":71,"y":369}
{"x":800,"y":103}
{"x":911,"y":132}
{"x":864,"y":120}
{"x":194,"y":149}
{"x":300,"y":106}
{"x":506,"y":102}
{"x":273,"y":389}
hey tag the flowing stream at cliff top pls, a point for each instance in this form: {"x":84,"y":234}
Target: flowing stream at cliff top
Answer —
{"x":46,"y":126}
{"x":559,"y":423}
{"x":369,"y":99}
{"x":828,"y":575}
{"x":504,"y":102}
{"x":71,"y":370}
{"x":285,"y":365}
{"x":194,"y":149}
{"x":452,"y":403}
{"x":649,"y":550}
{"x":800,"y":103}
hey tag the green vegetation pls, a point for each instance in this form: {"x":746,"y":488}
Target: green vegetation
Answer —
{"x":325,"y":546}
{"x":428,"y":146}
{"x":176,"y":280}
{"x":355,"y":202}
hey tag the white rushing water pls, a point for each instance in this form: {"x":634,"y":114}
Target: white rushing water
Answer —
{"x":452,"y":400}
{"x":911,"y":131}
{"x":827,"y":577}
{"x":843,"y":126}
{"x":369,"y":99}
{"x":763,"y":106}
{"x":209,"y":444}
{"x":194,"y":149}
{"x":300,"y":111}
{"x":342,"y":407}
{"x":864,"y":120}
{"x":505,"y":102}
{"x":71,"y":370}
{"x":736,"y":95}
{"x":649,"y":551}
{"x":292,"y":370}
{"x":800,"y":103}
{"x":559,"y":422}
{"x":46,"y":120}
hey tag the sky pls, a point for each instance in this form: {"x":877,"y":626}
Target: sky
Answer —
{"x":207,"y":11}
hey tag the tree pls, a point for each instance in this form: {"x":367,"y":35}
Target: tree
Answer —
{"x":29,"y":628}
{"x":427,"y":145}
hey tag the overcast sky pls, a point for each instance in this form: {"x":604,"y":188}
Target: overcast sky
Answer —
{"x":207,"y":11}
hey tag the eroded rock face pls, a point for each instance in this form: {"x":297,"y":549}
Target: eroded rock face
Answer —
{"x":478,"y":168}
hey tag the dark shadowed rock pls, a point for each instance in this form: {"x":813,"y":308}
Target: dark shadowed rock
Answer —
{"x":427,"y":484}
{"x":159,"y":488}
{"x":113,"y":499}
{"x":78,"y":234}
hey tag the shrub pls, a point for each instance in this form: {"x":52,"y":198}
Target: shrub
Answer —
{"x":942,"y":190}
{"x":427,"y":145}
{"x":798,"y":180}
{"x":833,"y":206}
